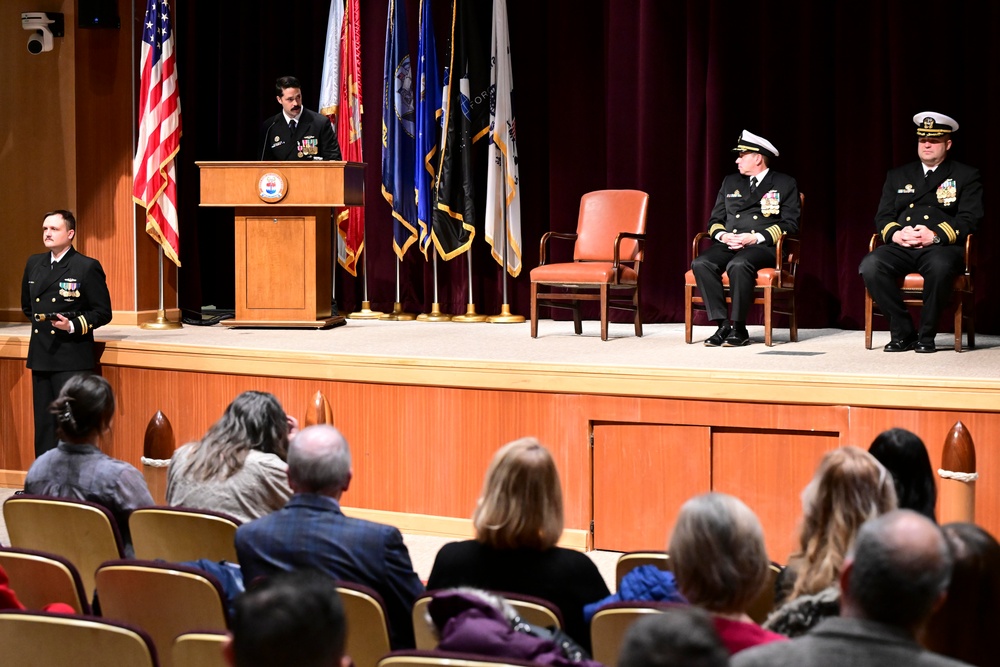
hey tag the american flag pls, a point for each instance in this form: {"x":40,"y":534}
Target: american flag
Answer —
{"x":155,"y":174}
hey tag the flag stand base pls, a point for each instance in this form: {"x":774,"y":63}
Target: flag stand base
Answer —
{"x":435,"y":315}
{"x":398,"y":314}
{"x":366,"y":312}
{"x":470,"y":315}
{"x":161,"y":323}
{"x":505,"y":317}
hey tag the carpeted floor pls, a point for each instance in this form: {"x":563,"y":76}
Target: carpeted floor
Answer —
{"x":661,"y":347}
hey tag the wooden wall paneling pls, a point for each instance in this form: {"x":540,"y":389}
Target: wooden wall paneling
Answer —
{"x":17,"y":430}
{"x":433,"y":445}
{"x":104,"y":120}
{"x":933,"y":426}
{"x":643,"y":473}
{"x":716,"y":413}
{"x":38,"y":159}
{"x":768,"y":470}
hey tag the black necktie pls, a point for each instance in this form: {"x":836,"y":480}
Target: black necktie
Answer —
{"x":291,"y":126}
{"x":927,"y":174}
{"x":753,"y":184}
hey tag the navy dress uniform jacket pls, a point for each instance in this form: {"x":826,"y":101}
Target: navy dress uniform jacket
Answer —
{"x":280,"y":144}
{"x":737,"y":211}
{"x":950,"y":202}
{"x":75,"y":285}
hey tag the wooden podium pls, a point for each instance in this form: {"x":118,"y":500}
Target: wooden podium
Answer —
{"x":284,"y":264}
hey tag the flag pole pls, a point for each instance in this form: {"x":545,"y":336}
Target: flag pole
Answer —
{"x":470,"y":309}
{"x":366,"y":312}
{"x":336,"y":260}
{"x":505,"y":316}
{"x":398,"y":314}
{"x":161,"y":323}
{"x":435,"y":315}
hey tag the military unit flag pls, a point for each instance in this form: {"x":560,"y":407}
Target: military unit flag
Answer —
{"x":351,"y":220}
{"x":399,"y":131}
{"x":466,"y":120}
{"x":428,"y":124}
{"x":503,"y":201}
{"x":329,"y":89}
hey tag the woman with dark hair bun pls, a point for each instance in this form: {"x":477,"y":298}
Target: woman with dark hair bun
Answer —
{"x":77,"y":468}
{"x":904,"y":455}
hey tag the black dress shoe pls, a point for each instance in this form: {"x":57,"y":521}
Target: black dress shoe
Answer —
{"x":925,"y":346}
{"x":902,"y":345}
{"x":716,"y":339}
{"x":738,"y":338}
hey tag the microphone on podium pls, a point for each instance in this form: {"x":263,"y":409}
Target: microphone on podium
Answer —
{"x":267,"y":133}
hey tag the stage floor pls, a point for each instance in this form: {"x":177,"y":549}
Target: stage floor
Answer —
{"x":833,"y":363}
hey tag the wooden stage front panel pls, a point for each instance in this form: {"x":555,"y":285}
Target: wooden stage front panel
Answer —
{"x":420,"y":449}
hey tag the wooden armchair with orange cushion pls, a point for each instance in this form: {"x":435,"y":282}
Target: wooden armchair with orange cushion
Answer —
{"x":607,"y":256}
{"x":775,"y":287}
{"x":912,"y":285}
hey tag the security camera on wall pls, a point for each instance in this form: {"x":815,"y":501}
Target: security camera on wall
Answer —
{"x":43,"y":26}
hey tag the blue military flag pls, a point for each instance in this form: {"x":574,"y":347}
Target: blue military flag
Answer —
{"x":398,"y":131}
{"x":428,"y":124}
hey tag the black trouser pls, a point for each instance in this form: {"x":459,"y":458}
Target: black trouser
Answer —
{"x":741,"y":266}
{"x":45,"y":387}
{"x":882,"y":268}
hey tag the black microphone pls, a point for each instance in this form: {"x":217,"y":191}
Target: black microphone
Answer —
{"x":267,"y":133}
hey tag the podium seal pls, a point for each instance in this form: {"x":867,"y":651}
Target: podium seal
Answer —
{"x":271,"y":187}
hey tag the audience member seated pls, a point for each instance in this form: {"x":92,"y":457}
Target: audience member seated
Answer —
{"x":293,"y":618}
{"x":679,"y":636}
{"x":849,"y":488}
{"x":717,"y":548}
{"x":311,"y":532}
{"x":903,"y":454}
{"x":77,"y":468}
{"x":898,"y":573}
{"x":965,"y":626}
{"x":518,"y":521}
{"x":470,"y":620}
{"x":239,"y":467}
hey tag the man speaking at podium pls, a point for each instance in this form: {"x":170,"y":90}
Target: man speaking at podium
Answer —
{"x":297,"y":133}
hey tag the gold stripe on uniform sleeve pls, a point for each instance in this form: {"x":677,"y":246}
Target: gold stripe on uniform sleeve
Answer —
{"x":949,"y":231}
{"x":889,"y":231}
{"x":775,"y":232}
{"x":84,"y":327}
{"x":715,"y":229}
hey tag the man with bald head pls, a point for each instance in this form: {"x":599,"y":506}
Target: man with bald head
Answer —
{"x":895,"y":578}
{"x":311,"y":532}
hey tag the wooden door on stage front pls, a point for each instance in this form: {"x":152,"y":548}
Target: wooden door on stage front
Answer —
{"x":643,"y":473}
{"x":768,"y":470}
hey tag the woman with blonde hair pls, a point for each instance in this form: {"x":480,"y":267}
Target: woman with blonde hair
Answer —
{"x":518,"y":521}
{"x":719,"y":558}
{"x":849,"y":487}
{"x":239,"y":467}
